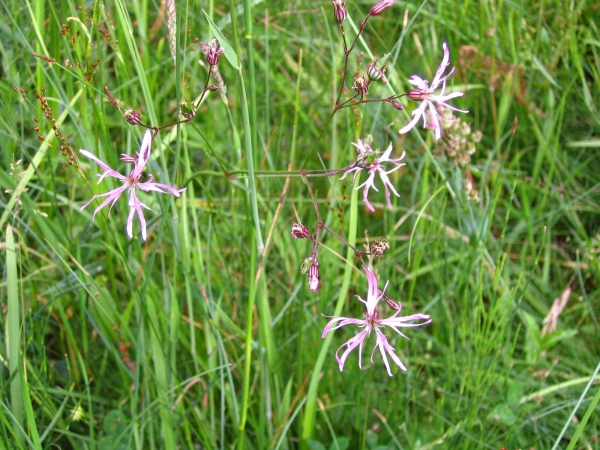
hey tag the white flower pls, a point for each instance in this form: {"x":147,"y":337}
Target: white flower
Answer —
{"x":426,"y":95}
{"x":369,"y":159}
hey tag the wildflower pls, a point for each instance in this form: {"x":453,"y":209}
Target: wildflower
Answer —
{"x":132,"y":182}
{"x":381,"y":6}
{"x":370,"y":159}
{"x":340,"y":12}
{"x":426,"y":96}
{"x":299,"y":231}
{"x":372,"y":322}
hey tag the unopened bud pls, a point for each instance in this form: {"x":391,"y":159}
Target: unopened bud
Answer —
{"x":396,"y":104}
{"x":361,"y":85}
{"x":214,"y":53}
{"x":393,"y":303}
{"x":379,"y":247}
{"x":131,"y":116}
{"x":299,"y":231}
{"x":417,"y":95}
{"x":313,"y":277}
{"x":339,"y":10}
{"x":381,"y":6}
{"x":213,"y":88}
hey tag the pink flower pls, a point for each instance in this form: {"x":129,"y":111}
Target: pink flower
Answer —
{"x":131,"y":182}
{"x":426,"y":96}
{"x":372,"y":322}
{"x":372,"y":161}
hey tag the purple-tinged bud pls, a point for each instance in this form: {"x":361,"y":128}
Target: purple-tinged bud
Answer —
{"x":396,"y":104}
{"x":313,"y":277}
{"x":418,"y":95}
{"x":339,"y":10}
{"x":393,"y":303}
{"x":379,"y":247}
{"x":361,"y":85}
{"x":214,"y":52}
{"x":381,"y":6}
{"x":299,"y":231}
{"x":213,"y":88}
{"x":131,"y":116}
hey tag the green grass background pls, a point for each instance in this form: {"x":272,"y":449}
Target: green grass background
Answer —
{"x":206,"y":335}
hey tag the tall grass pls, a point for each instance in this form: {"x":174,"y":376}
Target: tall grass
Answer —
{"x":206,"y":335}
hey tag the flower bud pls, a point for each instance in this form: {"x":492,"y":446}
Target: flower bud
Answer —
{"x":339,"y":10}
{"x":131,"y":116}
{"x":417,"y":95}
{"x":379,"y":247}
{"x":299,"y":231}
{"x":381,"y":6}
{"x":311,"y":266}
{"x":313,"y":277}
{"x":213,"y":88}
{"x":214,"y":52}
{"x":396,"y":104}
{"x":393,"y":303}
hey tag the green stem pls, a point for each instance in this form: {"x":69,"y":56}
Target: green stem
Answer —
{"x":308,"y":424}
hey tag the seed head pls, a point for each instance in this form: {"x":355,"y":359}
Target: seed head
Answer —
{"x":361,"y":85}
{"x":379,"y":247}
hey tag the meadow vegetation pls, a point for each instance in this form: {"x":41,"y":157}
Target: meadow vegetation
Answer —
{"x":205,"y":334}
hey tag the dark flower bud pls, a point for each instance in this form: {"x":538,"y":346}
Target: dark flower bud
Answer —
{"x":339,"y":10}
{"x":381,"y":6}
{"x":131,"y":116}
{"x":299,"y":231}
{"x":379,"y":247}
{"x":213,"y":88}
{"x":393,"y":303}
{"x":418,"y":95}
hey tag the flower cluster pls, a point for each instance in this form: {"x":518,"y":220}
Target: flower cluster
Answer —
{"x":434,"y":111}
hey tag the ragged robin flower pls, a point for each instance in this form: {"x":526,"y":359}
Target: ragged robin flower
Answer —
{"x":131,"y":182}
{"x":426,"y":95}
{"x":372,"y":322}
{"x":373,"y":161}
